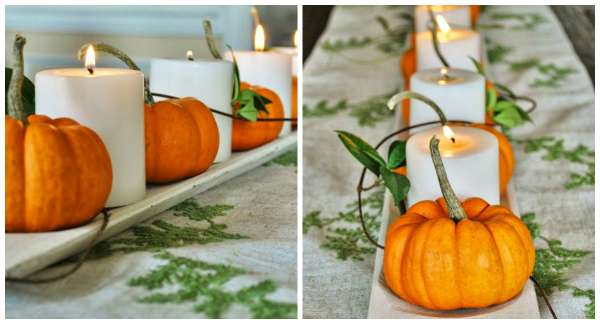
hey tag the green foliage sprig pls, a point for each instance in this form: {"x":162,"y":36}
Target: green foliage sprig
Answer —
{"x":506,"y":112}
{"x":248,"y":103}
{"x":368,"y":156}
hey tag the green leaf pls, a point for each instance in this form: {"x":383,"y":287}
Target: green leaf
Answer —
{"x":250,"y":104}
{"x":248,"y":112}
{"x":362,"y":151}
{"x":396,"y":154}
{"x":397,"y":184}
{"x":503,"y":105}
{"x":508,"y":118}
{"x":524,"y":115}
{"x":28,"y":93}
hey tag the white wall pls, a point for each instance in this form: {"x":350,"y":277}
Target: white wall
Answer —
{"x":55,"y":33}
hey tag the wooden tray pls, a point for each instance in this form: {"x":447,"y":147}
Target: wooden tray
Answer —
{"x":384,"y":304}
{"x":27,"y":253}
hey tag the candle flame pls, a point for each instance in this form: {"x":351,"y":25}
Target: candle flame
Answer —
{"x":259,"y":38}
{"x":296,"y":40}
{"x":443,"y":25}
{"x":190,"y":55}
{"x":448,"y":133}
{"x":90,"y":59}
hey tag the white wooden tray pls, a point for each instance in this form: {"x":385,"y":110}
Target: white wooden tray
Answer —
{"x":27,"y":253}
{"x":384,"y":304}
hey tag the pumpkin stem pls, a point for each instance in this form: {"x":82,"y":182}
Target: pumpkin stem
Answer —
{"x":436,"y":43}
{"x":15,"y":87}
{"x":455,"y":210}
{"x":397,"y":98}
{"x":214,"y":50}
{"x":123,"y":57}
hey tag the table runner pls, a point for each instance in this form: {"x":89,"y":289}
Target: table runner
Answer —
{"x":228,"y":252}
{"x":353,"y":70}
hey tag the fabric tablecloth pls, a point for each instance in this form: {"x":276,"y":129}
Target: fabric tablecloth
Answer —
{"x":350,"y":74}
{"x":227,"y":252}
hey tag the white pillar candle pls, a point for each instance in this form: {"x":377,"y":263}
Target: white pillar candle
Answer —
{"x":456,"y":45}
{"x":293,"y":53}
{"x":271,"y":70}
{"x":111,"y":102}
{"x":459,"y":93}
{"x":471,"y":164}
{"x":454,"y":15}
{"x":210,"y":81}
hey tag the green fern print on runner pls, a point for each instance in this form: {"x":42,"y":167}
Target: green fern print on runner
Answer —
{"x":203,"y":283}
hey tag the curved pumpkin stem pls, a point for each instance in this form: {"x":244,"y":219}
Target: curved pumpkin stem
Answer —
{"x":123,"y":57}
{"x":434,"y":38}
{"x":397,"y":98}
{"x":455,"y":210}
{"x":214,"y":50}
{"x":15,"y":87}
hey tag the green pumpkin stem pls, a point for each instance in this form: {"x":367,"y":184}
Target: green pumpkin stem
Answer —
{"x":214,"y":50}
{"x":436,"y":43}
{"x":15,"y":87}
{"x":455,"y":210}
{"x":397,"y":98}
{"x":123,"y":57}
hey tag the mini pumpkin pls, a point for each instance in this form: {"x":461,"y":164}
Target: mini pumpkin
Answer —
{"x":181,"y":135}
{"x":58,"y":172}
{"x":182,"y":139}
{"x":444,"y":255}
{"x":475,"y":11}
{"x":247,"y":134}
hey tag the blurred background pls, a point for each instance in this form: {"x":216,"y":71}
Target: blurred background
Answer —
{"x":55,"y":33}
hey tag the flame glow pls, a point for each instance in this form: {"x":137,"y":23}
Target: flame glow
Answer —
{"x":259,"y":38}
{"x":448,"y":132}
{"x":443,"y":25}
{"x":90,"y":59}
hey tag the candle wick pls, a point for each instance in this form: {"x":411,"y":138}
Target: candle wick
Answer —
{"x":190,"y":58}
{"x":90,"y":70}
{"x":453,"y":139}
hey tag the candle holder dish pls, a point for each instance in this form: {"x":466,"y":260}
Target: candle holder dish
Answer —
{"x":384,"y":303}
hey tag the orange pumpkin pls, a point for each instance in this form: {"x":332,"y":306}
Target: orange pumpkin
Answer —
{"x":294,"y":101}
{"x":246,"y":134}
{"x":58,"y":173}
{"x":444,"y":255}
{"x":475,"y":11}
{"x":182,"y":139}
{"x":506,"y":155}
{"x":408,"y":66}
